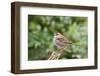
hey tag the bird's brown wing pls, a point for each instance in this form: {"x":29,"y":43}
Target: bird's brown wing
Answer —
{"x":66,"y":40}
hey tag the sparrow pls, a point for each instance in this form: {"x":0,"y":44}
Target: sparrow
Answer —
{"x":61,"y":41}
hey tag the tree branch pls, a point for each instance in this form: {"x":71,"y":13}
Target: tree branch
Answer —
{"x":56,"y":55}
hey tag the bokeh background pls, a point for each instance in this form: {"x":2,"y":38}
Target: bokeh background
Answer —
{"x":41,"y":30}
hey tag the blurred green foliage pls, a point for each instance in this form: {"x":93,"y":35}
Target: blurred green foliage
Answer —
{"x":41,"y":30}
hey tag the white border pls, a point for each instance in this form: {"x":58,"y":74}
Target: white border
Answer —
{"x":25,"y":64}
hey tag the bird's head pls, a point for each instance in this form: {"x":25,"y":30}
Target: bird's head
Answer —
{"x":57,"y":34}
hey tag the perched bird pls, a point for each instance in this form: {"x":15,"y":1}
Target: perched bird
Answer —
{"x":61,"y":41}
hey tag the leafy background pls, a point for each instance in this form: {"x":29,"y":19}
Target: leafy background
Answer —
{"x":41,"y":30}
